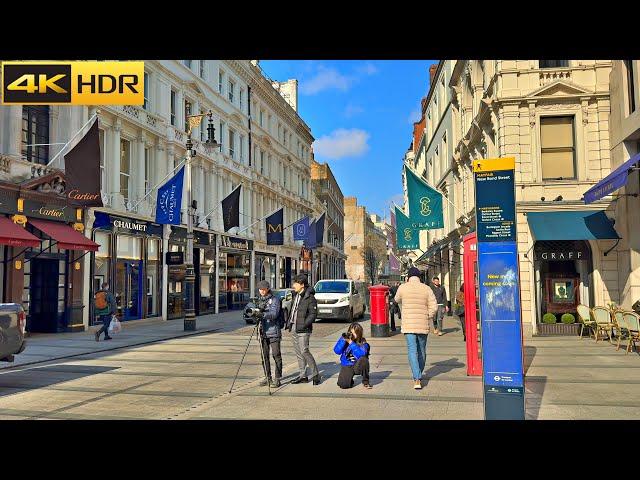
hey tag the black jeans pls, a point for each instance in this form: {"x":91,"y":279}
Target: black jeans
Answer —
{"x":106,"y":321}
{"x":273,"y":345}
{"x":461,"y":318}
{"x":361,"y":367}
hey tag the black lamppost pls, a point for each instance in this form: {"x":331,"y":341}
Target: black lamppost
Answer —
{"x":190,"y":276}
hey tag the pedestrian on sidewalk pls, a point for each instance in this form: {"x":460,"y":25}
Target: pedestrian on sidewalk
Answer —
{"x":304,"y":310}
{"x":419,"y":307}
{"x":441,"y":296}
{"x":354,"y":356}
{"x":271,"y":322}
{"x":393,"y":306}
{"x":104,"y":308}
{"x":459,"y":310}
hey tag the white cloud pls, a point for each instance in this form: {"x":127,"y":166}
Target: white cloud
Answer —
{"x":325,"y":79}
{"x":352,"y":110}
{"x":368,"y":69}
{"x":342,"y":143}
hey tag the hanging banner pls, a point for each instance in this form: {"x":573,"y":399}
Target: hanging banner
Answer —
{"x":499,"y":289}
{"x":170,"y":200}
{"x":231,"y":209}
{"x":311,"y":239}
{"x":274,"y":228}
{"x":82,"y":170}
{"x":425,"y":203}
{"x":301,"y":229}
{"x":320,"y":230}
{"x":407,"y":238}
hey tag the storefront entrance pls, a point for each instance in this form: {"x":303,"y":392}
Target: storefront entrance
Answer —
{"x":43,"y":286}
{"x":128,"y":289}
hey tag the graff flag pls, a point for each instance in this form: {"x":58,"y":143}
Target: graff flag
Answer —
{"x":320,"y":230}
{"x":425,"y":203}
{"x":274,"y":228}
{"x":82,"y":170}
{"x":170,"y":200}
{"x":231,"y":209}
{"x":407,"y":238}
{"x":301,"y":228}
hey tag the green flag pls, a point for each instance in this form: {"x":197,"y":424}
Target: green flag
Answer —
{"x":425,"y":203}
{"x":407,"y":238}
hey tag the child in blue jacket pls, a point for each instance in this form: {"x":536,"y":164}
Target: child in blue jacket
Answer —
{"x":354,"y":357}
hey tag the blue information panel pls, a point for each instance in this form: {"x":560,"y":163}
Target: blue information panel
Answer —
{"x":499,"y":289}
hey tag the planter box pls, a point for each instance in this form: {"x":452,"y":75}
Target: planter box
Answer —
{"x":570,"y":329}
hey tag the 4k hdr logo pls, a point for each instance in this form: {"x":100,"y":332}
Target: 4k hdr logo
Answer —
{"x":72,"y":83}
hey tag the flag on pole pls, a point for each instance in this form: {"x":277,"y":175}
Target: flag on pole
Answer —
{"x":82,"y":170}
{"x":311,"y":240}
{"x":170,"y":200}
{"x":391,"y":232}
{"x":320,"y":230}
{"x":301,"y":229}
{"x":425,"y":203}
{"x":407,"y":237}
{"x":194,"y":122}
{"x":274,"y":228}
{"x":231,"y":209}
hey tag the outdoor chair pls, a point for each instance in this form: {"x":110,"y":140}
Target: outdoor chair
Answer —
{"x":584,"y":317}
{"x":620,"y":326}
{"x":632,"y":320}
{"x":602,"y":317}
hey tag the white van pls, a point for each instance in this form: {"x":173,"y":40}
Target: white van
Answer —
{"x":339,"y":299}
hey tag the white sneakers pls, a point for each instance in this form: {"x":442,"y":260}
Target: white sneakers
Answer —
{"x":417,"y":385}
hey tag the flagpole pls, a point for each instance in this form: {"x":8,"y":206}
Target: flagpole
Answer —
{"x":94,"y":116}
{"x":159,"y":183}
{"x":220,"y":205}
{"x":258,"y":221}
{"x":419,"y":177}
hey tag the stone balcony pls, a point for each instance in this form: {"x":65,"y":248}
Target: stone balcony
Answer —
{"x":17,"y":170}
{"x":550,"y":75}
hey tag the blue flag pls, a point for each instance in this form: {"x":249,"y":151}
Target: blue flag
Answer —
{"x":320,"y":230}
{"x":274,"y":228}
{"x":311,"y":241}
{"x":425,"y":203}
{"x":170,"y":200}
{"x":301,"y":228}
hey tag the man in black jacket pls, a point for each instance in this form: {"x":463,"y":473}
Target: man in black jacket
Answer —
{"x":441,"y":297}
{"x":304,"y":310}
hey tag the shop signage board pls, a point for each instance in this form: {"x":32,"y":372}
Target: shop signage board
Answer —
{"x":175,"y":258}
{"x":105,"y":221}
{"x":499,"y":284}
{"x":46,"y":211}
{"x":236,"y":243}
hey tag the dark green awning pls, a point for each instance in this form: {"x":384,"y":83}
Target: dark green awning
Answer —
{"x":571,"y":225}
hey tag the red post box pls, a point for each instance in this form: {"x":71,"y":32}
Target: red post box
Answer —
{"x":379,"y":310}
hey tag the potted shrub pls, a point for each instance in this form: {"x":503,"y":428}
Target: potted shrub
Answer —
{"x":567,"y":318}
{"x":549,"y":318}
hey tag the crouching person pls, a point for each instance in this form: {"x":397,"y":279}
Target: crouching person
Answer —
{"x":354,"y":357}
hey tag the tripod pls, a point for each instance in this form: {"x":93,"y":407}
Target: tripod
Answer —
{"x":258,"y":329}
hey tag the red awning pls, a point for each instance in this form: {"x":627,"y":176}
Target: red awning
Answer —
{"x":15,"y":235}
{"x":66,"y":236}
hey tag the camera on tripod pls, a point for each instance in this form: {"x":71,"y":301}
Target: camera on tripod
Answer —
{"x":257,"y":311}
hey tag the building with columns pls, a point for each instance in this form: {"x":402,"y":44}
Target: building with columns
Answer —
{"x":553,"y":117}
{"x":331,"y":201}
{"x":265,"y":146}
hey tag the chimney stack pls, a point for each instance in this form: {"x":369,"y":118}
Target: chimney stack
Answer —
{"x":432,"y":72}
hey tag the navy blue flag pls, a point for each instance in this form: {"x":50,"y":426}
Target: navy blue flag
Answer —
{"x":275,"y":226}
{"x":320,"y":230}
{"x":311,"y":241}
{"x":301,"y":228}
{"x":170,"y":200}
{"x":231,"y":209}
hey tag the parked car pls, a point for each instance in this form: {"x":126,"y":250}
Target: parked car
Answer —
{"x":13,"y":322}
{"x":340,"y":299}
{"x":285,"y":295}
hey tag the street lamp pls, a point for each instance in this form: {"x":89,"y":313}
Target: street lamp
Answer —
{"x":190,"y":275}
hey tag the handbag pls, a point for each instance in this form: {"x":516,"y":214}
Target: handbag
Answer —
{"x":115,"y":326}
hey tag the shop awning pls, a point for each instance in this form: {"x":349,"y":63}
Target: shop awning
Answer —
{"x":612,"y":182}
{"x":571,"y":225}
{"x":431,"y":251}
{"x":66,"y":236}
{"x":16,"y":236}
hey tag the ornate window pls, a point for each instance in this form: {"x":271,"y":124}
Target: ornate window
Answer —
{"x":35,"y":133}
{"x":554,"y":63}
{"x":557,"y":148}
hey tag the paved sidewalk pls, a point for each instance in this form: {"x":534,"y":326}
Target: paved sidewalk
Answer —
{"x":43,"y":347}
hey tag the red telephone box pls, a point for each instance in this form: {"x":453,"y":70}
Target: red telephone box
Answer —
{"x":472,"y":305}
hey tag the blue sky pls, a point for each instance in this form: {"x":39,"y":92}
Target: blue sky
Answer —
{"x":361,"y":114}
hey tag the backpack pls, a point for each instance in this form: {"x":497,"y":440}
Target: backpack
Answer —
{"x":100,"y":300}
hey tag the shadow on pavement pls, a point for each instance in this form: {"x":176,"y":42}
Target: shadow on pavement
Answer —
{"x":444,"y":366}
{"x":43,"y":377}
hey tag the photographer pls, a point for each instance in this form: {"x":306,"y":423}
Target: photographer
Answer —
{"x":271,"y":323}
{"x":354,"y":357}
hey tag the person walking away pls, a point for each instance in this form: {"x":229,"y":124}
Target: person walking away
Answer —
{"x":393,"y":306}
{"x":354,"y":356}
{"x":271,"y":324}
{"x":459,"y":311}
{"x":304,"y":310}
{"x":104,"y":308}
{"x":419,"y":307}
{"x":441,"y":296}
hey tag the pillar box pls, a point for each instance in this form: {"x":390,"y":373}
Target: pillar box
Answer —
{"x":379,"y":310}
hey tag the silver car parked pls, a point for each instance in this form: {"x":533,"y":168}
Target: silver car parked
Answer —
{"x":13,"y":323}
